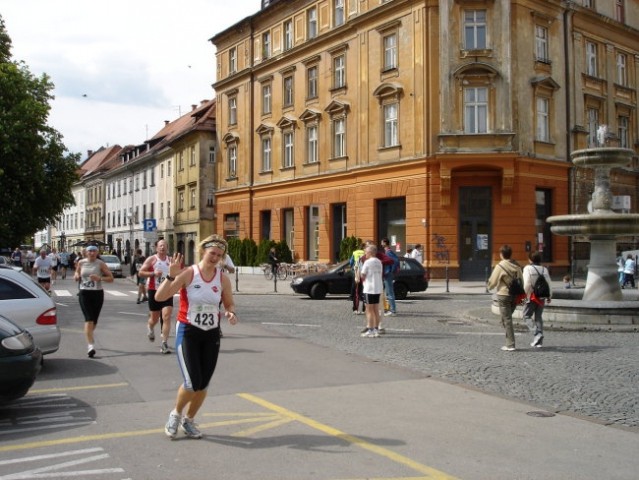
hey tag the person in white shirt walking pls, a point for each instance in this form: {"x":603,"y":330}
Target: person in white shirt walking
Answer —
{"x":534,"y":306}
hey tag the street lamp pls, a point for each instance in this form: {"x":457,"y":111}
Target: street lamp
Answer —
{"x":63,"y":239}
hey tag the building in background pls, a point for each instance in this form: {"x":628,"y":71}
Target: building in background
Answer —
{"x":446,"y":123}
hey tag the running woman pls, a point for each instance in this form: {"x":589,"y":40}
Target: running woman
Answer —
{"x":202,"y":287}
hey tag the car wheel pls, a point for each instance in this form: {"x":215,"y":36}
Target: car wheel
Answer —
{"x":318,"y":291}
{"x":401,"y":291}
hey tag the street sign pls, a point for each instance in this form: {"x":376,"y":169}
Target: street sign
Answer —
{"x":149,"y":224}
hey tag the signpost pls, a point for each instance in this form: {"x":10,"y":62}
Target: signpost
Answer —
{"x":150,"y":230}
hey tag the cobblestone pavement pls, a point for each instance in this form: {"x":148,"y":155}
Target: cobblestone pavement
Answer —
{"x":591,"y":374}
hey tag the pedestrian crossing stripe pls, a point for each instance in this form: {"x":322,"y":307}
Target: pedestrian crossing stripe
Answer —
{"x":115,"y":293}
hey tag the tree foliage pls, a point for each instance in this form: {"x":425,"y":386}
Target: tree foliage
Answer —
{"x":36,"y":170}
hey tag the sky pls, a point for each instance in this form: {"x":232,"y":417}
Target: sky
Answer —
{"x":120,"y":67}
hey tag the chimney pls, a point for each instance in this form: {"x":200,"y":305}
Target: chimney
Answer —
{"x":193,"y":107}
{"x":166,"y":122}
{"x":89,"y":153}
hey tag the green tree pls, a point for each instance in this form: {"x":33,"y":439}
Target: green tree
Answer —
{"x":36,"y":170}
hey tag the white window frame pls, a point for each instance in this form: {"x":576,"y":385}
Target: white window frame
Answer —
{"x":541,"y":43}
{"x":591,"y":59}
{"x":475,"y":30}
{"x":312,"y":79}
{"x":339,"y":137}
{"x":288,"y":96}
{"x":288,"y":34}
{"x":390,"y":51}
{"x":542,"y":130}
{"x":339,"y":13}
{"x":475,"y":110}
{"x":339,"y":70}
{"x":233,"y":60}
{"x":312,"y":143}
{"x":288,"y":150}
{"x":391,"y":124}
{"x":232,"y":111}
{"x":622,"y":69}
{"x":311,"y":23}
{"x":232,"y":160}
{"x":623,"y":131}
{"x":267,"y":152}
{"x":266,"y":45}
{"x":267,"y":95}
{"x":193,"y":195}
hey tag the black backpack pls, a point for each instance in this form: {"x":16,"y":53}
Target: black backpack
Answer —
{"x":516,"y":288}
{"x":541,"y":289}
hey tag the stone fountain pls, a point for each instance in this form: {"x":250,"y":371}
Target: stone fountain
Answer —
{"x":602,"y":302}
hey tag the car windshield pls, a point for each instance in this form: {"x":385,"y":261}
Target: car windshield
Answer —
{"x":110,"y":259}
{"x":340,"y":266}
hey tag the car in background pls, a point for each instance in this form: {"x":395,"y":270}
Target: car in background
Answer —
{"x":114,"y":264}
{"x":27,"y":304}
{"x":6,"y":262}
{"x":20,"y":360}
{"x":412,"y":277}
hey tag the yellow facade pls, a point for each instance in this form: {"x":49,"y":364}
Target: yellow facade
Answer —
{"x":443,"y":123}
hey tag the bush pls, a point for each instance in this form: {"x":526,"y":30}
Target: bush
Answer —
{"x":249,"y":252}
{"x":262,"y":250}
{"x":347,"y":246}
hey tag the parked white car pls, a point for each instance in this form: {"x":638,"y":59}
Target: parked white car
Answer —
{"x":114,"y":264}
{"x":27,"y":304}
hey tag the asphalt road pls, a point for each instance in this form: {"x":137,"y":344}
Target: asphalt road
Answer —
{"x":300,"y":395}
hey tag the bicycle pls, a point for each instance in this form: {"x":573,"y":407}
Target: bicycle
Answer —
{"x":282,"y":271}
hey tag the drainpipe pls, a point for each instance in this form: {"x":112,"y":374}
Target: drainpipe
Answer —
{"x":571,"y":178}
{"x":251,"y":136}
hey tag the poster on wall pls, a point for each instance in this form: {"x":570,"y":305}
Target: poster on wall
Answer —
{"x":482,"y":241}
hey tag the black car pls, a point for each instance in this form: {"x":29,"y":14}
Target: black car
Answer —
{"x":412,"y":277}
{"x":20,"y":360}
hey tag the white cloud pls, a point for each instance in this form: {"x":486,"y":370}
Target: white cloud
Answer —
{"x":120,"y":68}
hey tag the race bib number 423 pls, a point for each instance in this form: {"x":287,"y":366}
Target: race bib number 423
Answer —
{"x":205,"y":317}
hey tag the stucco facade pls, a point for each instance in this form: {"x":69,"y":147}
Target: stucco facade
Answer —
{"x":446,"y":123}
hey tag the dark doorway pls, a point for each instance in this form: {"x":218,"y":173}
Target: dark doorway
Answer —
{"x":475,"y":239}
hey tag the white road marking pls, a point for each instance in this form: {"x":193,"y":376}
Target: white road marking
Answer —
{"x":291,"y":324}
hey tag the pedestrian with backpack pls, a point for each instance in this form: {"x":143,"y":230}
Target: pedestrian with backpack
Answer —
{"x":506,"y":273}
{"x":538,"y":293}
{"x":389,"y":276}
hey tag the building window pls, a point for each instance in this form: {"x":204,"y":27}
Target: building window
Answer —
{"x":210,"y":196}
{"x":168,"y":168}
{"x":390,"y":51}
{"x":212,"y":154}
{"x":543,"y":210}
{"x":192,"y":156}
{"x":233,"y":111}
{"x":168,"y":209}
{"x":144,"y":176}
{"x":339,"y":137}
{"x":311,"y":82}
{"x":193,"y":197}
{"x":161,"y":170}
{"x":312,"y":145}
{"x":288,"y":35}
{"x":289,"y":156}
{"x":391,"y":124}
{"x":338,"y":13}
{"x":233,"y":60}
{"x":339,"y":71}
{"x":593,"y":125}
{"x":181,"y":201}
{"x":622,"y":69}
{"x":588,"y":3}
{"x":541,"y":44}
{"x":311,"y":23}
{"x":266,"y":99}
{"x":591,"y":59}
{"x":288,"y":91}
{"x":623,"y":123}
{"x":267,"y":166}
{"x":620,"y":11}
{"x":266,"y":45}
{"x":543,"y":120}
{"x":475,"y":110}
{"x":232,"y":160}
{"x":161,"y":210}
{"x":474,"y":29}
{"x":181,"y":161}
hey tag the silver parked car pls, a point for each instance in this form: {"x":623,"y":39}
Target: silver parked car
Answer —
{"x":26,"y":303}
{"x":114,"y":264}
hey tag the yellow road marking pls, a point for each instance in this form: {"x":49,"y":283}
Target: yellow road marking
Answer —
{"x":260,"y":428}
{"x":71,"y":389}
{"x":384,"y":452}
{"x":110,"y":436}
